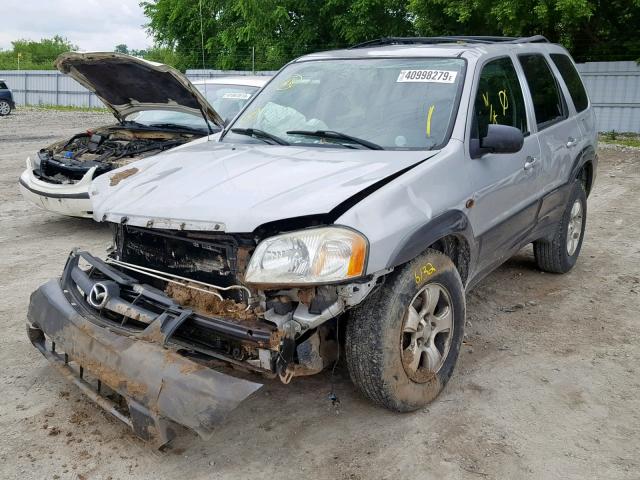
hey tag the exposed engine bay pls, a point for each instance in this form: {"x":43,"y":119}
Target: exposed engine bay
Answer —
{"x":284,"y":332}
{"x":105,"y":149}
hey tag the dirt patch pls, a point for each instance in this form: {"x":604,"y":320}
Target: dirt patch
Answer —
{"x":113,"y":379}
{"x":207,"y":303}
{"x":116,"y":178}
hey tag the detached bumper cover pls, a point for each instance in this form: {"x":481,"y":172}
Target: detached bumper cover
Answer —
{"x":159,"y":385}
{"x":66,"y":199}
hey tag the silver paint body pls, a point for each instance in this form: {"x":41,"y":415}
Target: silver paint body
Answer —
{"x":238,"y":187}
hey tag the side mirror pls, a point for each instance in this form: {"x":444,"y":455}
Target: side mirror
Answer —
{"x":499,"y":139}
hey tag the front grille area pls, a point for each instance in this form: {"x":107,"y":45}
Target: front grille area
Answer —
{"x":134,"y":308}
{"x":209,"y":258}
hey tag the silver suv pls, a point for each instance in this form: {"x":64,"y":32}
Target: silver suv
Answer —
{"x":351,"y":203}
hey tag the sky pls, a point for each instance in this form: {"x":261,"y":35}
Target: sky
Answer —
{"x":92,"y":25}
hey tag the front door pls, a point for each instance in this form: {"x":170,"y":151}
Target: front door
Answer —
{"x":506,"y":186}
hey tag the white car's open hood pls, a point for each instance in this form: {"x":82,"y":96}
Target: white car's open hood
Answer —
{"x":127,"y":84}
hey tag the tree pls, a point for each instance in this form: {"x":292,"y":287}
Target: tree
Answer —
{"x":122,"y":48}
{"x":590,"y":29}
{"x":280,"y":30}
{"x":35,"y":55}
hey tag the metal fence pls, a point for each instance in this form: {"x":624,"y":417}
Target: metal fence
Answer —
{"x":614,"y":89}
{"x":50,"y":87}
{"x":47,"y":87}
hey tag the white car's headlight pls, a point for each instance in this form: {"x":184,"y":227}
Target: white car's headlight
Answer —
{"x":317,"y":255}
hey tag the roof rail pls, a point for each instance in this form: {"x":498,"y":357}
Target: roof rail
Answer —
{"x":448,"y":39}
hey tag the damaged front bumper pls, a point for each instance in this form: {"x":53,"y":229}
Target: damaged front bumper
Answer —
{"x":159,"y":385}
{"x":66,"y":199}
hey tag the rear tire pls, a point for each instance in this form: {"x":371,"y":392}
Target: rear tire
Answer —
{"x":5,"y":108}
{"x":399,"y":360}
{"x":559,"y":254}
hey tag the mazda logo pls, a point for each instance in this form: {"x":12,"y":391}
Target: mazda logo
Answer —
{"x":98,"y":296}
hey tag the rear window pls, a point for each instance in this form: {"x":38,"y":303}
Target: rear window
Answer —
{"x":548,"y":102}
{"x":3,"y":86}
{"x":572,"y":78}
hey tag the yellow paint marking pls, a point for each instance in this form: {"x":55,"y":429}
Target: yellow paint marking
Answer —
{"x":423,"y":272}
{"x":504,"y":101}
{"x":429,"y":115}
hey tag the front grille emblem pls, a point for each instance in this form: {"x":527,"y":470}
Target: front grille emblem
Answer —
{"x":98,"y":296}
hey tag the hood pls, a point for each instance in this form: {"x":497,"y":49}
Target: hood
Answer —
{"x":127,"y":84}
{"x":237,"y":188}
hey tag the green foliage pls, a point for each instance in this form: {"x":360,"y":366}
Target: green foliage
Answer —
{"x":625,"y":139}
{"x":281,"y":30}
{"x":32,"y":55}
{"x":64,"y":108}
{"x":276,"y":30}
{"x":122,"y":48}
{"x":159,"y":54}
{"x":592,"y":30}
{"x":273,"y":32}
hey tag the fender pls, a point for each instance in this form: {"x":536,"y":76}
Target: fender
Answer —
{"x":451,"y":222}
{"x":588,"y":154}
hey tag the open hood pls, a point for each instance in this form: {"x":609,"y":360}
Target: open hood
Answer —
{"x":127,"y":84}
{"x":236,"y":188}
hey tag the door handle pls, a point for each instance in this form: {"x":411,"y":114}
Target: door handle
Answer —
{"x":571,"y":142}
{"x":530,"y":162}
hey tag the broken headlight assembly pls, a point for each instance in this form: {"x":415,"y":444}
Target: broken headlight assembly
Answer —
{"x":313,"y":256}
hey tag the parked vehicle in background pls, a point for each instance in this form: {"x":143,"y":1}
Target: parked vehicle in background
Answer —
{"x":6,"y":99}
{"x":157,"y":109}
{"x":352,"y":202}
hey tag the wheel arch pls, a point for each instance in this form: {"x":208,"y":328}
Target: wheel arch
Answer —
{"x":449,"y":233}
{"x":584,"y":168}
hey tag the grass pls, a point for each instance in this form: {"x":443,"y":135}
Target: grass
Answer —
{"x":66,"y":108}
{"x":625,"y":139}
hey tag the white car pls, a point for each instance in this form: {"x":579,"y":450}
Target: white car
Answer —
{"x":157,"y":109}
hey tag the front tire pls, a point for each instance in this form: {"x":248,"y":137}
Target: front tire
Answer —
{"x":402,"y":344}
{"x":560,"y":254}
{"x":5,"y":108}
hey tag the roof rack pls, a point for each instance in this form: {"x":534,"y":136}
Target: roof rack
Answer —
{"x":448,"y":39}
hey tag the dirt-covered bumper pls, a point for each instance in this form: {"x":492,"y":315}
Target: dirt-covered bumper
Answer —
{"x":159,"y":386}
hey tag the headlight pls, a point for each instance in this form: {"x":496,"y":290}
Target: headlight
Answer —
{"x":317,"y":255}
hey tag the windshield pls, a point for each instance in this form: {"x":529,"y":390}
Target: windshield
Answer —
{"x":389,"y":103}
{"x":227,"y":100}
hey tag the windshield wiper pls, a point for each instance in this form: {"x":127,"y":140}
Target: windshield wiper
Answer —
{"x":336,"y":136}
{"x":260,"y":134}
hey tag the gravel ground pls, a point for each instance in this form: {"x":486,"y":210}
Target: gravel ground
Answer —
{"x":546,"y":386}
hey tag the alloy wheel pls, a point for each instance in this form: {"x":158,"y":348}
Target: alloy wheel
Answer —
{"x":427,"y":332}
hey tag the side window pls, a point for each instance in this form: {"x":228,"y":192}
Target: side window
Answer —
{"x":572,"y":78}
{"x":499,"y":99}
{"x":3,"y":86}
{"x":548,"y":102}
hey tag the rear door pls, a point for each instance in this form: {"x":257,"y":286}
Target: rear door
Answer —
{"x":577,"y":94}
{"x":506,"y":186}
{"x":558,"y":131}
